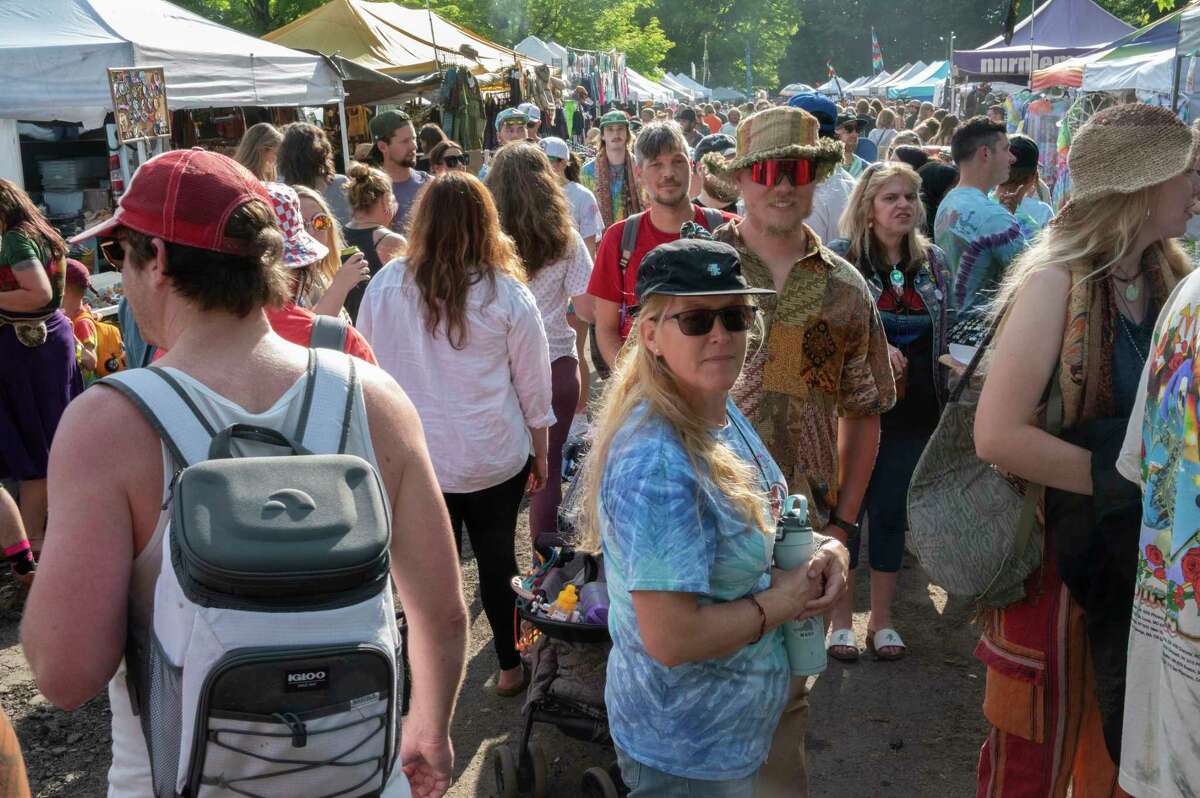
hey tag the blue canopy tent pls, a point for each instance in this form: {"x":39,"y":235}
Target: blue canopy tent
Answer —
{"x":923,"y":85}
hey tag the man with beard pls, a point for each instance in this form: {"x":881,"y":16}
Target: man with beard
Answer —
{"x":708,"y":190}
{"x":816,"y":386}
{"x":662,"y":170}
{"x":396,"y":152}
{"x":610,"y":175}
{"x":686,"y":117}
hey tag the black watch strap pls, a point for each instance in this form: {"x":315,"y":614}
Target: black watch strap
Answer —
{"x":850,"y":529}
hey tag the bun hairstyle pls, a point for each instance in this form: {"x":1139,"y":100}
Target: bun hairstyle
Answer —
{"x":366,"y":186}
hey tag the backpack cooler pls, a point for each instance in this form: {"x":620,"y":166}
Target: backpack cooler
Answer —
{"x":270,"y":668}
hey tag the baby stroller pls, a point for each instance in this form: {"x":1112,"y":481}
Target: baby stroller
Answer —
{"x":565,"y":606}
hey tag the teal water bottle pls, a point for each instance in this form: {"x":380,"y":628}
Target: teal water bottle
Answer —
{"x":793,"y":549}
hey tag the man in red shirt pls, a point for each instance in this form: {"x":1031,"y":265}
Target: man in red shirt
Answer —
{"x":663,"y":169}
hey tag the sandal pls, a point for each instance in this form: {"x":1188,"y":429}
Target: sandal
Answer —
{"x":509,"y":692}
{"x":846,"y":647}
{"x":884,"y":639}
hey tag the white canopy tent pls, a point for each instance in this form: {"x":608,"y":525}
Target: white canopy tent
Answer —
{"x":538,"y":50}
{"x":696,"y":88}
{"x":834,"y":86}
{"x":864,"y":88}
{"x":642,"y":88}
{"x":898,"y":78}
{"x":54,"y":55}
{"x":684,"y":92}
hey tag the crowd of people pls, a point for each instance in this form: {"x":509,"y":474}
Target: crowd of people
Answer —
{"x":770,"y":296}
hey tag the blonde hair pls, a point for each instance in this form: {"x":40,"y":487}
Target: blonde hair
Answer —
{"x":366,"y":185}
{"x":855,"y":224}
{"x":254,"y":147}
{"x":886,"y":119}
{"x":323,"y":271}
{"x":1097,"y":233}
{"x":639,"y":377}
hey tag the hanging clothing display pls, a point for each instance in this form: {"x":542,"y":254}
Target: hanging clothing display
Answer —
{"x":464,"y":116}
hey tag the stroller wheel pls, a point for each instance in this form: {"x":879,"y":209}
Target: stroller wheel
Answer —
{"x":537,"y":755}
{"x":504,"y":766}
{"x":598,"y":784}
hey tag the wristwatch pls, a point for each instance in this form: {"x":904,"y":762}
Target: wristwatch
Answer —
{"x":846,"y":526}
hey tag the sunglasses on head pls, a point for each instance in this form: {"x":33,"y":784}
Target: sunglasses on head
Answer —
{"x":770,"y":173}
{"x":320,"y":222}
{"x":113,"y":252}
{"x":454,"y":161}
{"x":735,"y":319}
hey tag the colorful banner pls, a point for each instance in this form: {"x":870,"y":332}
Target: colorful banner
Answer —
{"x":876,"y":54}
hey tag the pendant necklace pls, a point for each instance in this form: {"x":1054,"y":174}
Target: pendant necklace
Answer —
{"x":1132,"y":290}
{"x":896,"y":278}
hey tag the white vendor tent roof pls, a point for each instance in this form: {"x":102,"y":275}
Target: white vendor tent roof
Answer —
{"x":54,"y":55}
{"x":692,"y":85}
{"x":642,"y":88}
{"x":536,"y":49}
{"x":684,"y":92}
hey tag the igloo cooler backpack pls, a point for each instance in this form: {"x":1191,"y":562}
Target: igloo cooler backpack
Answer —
{"x":270,"y":669}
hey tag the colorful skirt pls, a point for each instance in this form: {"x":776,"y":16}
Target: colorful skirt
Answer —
{"x":36,"y":384}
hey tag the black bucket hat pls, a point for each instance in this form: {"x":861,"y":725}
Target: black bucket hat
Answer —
{"x":693,"y":267}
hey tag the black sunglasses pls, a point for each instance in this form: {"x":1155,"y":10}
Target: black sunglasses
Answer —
{"x":735,"y":319}
{"x":113,"y":252}
{"x":454,"y":161}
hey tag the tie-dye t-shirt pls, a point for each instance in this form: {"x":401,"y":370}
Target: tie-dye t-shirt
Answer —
{"x":1160,"y":749}
{"x":980,"y":238}
{"x":663,"y":528}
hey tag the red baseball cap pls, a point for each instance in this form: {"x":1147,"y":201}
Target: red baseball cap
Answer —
{"x":78,"y":274}
{"x":186,"y":197}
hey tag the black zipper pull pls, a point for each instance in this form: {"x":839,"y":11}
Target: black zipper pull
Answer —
{"x":299,"y":732}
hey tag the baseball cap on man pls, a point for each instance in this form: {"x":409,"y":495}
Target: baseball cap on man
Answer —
{"x":185,"y":197}
{"x":385,"y":124}
{"x":821,"y":107}
{"x":555,"y":147}
{"x":614,"y":118}
{"x":532,"y":114}
{"x":714,"y":142}
{"x":510,"y":115}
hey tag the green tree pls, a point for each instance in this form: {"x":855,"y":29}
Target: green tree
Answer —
{"x":727,"y":28}
{"x":251,"y":16}
{"x":1138,"y":13}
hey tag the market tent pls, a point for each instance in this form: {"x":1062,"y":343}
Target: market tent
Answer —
{"x":1142,"y":60}
{"x":559,"y":52}
{"x":393,"y":39}
{"x":1058,"y":30}
{"x":922,"y":85}
{"x":641,"y":88}
{"x":696,"y":88}
{"x":54,"y":55}
{"x":792,"y":89}
{"x":684,"y":92}
{"x":899,"y":77}
{"x":726,"y":95}
{"x":833,"y":86}
{"x":862,"y":87}
{"x":536,"y":49}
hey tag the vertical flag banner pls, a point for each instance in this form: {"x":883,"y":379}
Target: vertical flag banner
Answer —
{"x":876,"y":54}
{"x":829,"y":68}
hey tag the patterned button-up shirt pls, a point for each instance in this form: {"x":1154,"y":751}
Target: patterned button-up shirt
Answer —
{"x":825,"y":356}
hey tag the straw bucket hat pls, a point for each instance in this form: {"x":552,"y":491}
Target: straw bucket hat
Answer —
{"x":781,"y":133}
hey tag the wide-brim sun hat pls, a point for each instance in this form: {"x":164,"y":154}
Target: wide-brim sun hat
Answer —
{"x":780,"y":133}
{"x":1126,"y":148}
{"x":299,"y":248}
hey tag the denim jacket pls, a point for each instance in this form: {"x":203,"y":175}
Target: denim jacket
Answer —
{"x":934,"y":283}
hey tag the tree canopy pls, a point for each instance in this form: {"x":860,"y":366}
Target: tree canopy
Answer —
{"x":783,"y":40}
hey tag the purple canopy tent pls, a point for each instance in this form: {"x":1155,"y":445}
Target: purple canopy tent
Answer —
{"x":1060,"y":29}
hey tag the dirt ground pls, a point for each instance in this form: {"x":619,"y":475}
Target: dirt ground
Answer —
{"x":908,"y":728}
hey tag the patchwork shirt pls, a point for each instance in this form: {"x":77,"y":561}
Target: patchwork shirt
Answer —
{"x":825,"y":356}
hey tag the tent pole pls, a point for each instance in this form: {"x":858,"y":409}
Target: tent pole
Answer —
{"x":1032,"y":22}
{"x":345,"y":132}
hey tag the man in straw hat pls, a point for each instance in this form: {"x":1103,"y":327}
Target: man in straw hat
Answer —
{"x":815,"y":388}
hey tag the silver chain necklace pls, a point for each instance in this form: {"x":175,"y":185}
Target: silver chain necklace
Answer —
{"x":1129,"y":336}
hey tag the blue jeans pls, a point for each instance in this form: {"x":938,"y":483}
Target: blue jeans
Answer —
{"x":644,"y":781}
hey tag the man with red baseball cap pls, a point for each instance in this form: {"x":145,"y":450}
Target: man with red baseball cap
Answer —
{"x":199,"y":249}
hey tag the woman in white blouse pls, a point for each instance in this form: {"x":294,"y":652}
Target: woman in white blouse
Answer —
{"x":534,"y":211}
{"x":455,"y":325}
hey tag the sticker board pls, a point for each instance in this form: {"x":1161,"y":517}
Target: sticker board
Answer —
{"x":139,"y":96}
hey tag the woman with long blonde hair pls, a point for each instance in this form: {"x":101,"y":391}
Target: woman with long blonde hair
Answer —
{"x":453,"y":322}
{"x":534,"y":211}
{"x":257,"y":151}
{"x":330,"y":280}
{"x":1075,"y":314}
{"x":682,"y":494}
{"x":910,"y":282}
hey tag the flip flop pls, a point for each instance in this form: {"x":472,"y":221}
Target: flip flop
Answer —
{"x":885,"y":638}
{"x":843,"y":638}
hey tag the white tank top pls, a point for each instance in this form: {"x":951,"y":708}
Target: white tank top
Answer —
{"x":129,"y":775}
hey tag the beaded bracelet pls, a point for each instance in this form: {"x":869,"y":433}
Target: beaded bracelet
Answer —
{"x":762,"y":618}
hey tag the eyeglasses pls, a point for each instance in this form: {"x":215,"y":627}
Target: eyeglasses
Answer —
{"x":320,"y":222}
{"x":113,"y":252}
{"x":454,"y":161}
{"x":735,"y":319}
{"x":769,"y":173}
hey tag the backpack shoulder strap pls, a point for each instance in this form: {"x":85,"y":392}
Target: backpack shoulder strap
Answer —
{"x":163,"y":402}
{"x":629,"y":237}
{"x":713,"y":218}
{"x":328,"y":332}
{"x":332,"y":386}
